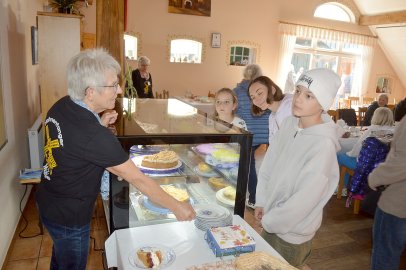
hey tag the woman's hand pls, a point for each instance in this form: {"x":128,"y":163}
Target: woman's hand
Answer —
{"x":259,"y":213}
{"x":184,"y":212}
{"x":108,"y":117}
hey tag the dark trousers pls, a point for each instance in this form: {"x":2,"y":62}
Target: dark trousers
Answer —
{"x":252,"y":177}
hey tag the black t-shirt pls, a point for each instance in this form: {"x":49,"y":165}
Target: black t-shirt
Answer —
{"x":77,"y":150}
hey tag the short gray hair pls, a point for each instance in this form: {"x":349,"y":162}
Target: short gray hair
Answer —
{"x":383,"y":116}
{"x":383,"y":95}
{"x":88,"y":68}
{"x":251,"y":72}
{"x":143,"y":60}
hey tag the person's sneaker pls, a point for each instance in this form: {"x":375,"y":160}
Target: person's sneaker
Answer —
{"x":344,"y":192}
{"x":250,"y":205}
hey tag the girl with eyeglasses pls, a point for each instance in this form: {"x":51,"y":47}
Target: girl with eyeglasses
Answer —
{"x":226,"y":105}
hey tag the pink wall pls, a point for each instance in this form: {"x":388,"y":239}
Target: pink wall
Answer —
{"x":255,"y":21}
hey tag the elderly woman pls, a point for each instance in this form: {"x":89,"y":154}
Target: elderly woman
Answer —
{"x":258,"y":125}
{"x":382,"y":102}
{"x":142,"y":79}
{"x":79,"y":148}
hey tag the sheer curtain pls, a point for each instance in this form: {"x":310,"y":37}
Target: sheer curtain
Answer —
{"x":289,"y":32}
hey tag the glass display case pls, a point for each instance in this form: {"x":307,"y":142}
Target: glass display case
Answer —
{"x":212,"y":164}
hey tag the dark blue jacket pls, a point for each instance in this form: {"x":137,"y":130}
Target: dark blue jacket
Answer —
{"x":257,"y":125}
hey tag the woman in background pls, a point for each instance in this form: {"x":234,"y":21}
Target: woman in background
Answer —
{"x":142,"y":79}
{"x":256,"y":124}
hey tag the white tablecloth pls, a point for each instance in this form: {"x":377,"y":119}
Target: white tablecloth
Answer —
{"x":347,"y":144}
{"x":183,"y":237}
{"x":206,"y":107}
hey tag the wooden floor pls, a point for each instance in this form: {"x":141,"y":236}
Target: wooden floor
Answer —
{"x":343,"y":241}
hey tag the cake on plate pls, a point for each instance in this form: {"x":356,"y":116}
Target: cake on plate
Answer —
{"x":204,"y":167}
{"x":150,"y":257}
{"x":178,"y":193}
{"x":217,"y":183}
{"x":226,"y":155}
{"x":162,"y":160}
{"x":229,"y":192}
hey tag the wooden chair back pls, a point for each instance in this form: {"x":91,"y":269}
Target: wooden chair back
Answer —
{"x":366,"y":101}
{"x":212,"y":95}
{"x":354,"y":101}
{"x":333,"y":114}
{"x":361,"y":115}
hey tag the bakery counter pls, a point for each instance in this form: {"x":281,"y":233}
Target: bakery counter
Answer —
{"x":191,"y":179}
{"x":183,"y":245}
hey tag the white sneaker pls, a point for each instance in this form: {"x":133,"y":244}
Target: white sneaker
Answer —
{"x":250,"y":205}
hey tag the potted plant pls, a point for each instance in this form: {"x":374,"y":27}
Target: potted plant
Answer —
{"x":65,"y":6}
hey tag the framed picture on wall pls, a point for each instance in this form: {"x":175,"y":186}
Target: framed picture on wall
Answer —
{"x":34,"y":45}
{"x":384,"y":84}
{"x":190,"y":7}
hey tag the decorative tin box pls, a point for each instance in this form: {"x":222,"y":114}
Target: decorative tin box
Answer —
{"x":229,"y":240}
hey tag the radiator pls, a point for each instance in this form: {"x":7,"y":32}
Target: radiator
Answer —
{"x":36,"y":143}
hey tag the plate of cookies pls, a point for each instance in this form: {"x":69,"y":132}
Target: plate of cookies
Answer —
{"x":153,"y":256}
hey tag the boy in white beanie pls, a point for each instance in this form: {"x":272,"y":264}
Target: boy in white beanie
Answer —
{"x":299,"y":172}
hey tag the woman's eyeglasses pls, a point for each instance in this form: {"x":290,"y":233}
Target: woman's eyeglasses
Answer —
{"x":114,"y":86}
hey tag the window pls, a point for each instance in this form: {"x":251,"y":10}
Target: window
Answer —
{"x":334,"y":11}
{"x":131,"y":47}
{"x":185,"y":51}
{"x":242,"y":56}
{"x":337,"y":56}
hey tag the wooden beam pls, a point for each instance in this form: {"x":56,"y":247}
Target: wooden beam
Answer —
{"x":384,"y":18}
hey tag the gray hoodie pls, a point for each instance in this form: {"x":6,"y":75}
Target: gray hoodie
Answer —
{"x":298,"y":176}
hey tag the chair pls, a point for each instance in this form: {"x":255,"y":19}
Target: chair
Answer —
{"x":333,"y":114}
{"x":212,"y":95}
{"x":344,"y":103}
{"x":343,"y":171}
{"x":391,"y":106}
{"x":361,"y":115}
{"x":366,"y":101}
{"x":354,"y":101}
{"x":348,"y":115}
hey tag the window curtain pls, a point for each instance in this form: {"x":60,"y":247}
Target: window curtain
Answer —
{"x":363,"y":64}
{"x":286,"y":48}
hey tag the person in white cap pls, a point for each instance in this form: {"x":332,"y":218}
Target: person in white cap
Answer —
{"x":300,"y":172}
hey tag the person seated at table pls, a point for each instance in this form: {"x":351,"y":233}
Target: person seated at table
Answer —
{"x":256,"y":124}
{"x":382,"y":121}
{"x":226,"y":103}
{"x":142,"y":79}
{"x":400,"y":110}
{"x":382,"y":102}
{"x":290,"y":198}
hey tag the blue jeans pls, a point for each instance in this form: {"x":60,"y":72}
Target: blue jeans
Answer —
{"x":252,"y":177}
{"x":389,"y":241}
{"x":70,"y":245}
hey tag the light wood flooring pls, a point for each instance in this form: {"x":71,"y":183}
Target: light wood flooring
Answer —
{"x":342,"y":242}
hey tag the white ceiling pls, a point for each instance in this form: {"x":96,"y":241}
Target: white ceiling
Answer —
{"x":392,"y":37}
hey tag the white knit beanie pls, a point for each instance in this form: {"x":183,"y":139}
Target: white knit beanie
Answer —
{"x":323,"y":83}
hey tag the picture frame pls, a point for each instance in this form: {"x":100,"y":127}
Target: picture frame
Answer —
{"x":34,"y":45}
{"x":190,"y":7}
{"x":215,"y":40}
{"x":384,"y":84}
